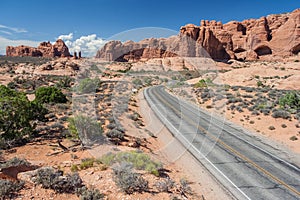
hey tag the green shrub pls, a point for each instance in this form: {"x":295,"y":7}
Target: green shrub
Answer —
{"x":50,"y":95}
{"x":87,"y":163}
{"x":88,"y":85}
{"x":260,"y":84}
{"x":200,"y":84}
{"x":17,"y":117}
{"x":128,"y":180}
{"x":85,"y":128}
{"x":290,"y":100}
{"x":139,"y":161}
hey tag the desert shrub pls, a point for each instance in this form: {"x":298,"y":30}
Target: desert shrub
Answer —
{"x":200,"y":84}
{"x":14,"y":162}
{"x":293,"y":138}
{"x":9,"y":189}
{"x":290,"y":100}
{"x":249,"y":89}
{"x":137,"y":82}
{"x":281,"y":114}
{"x":283,"y":125}
{"x":165,"y":185}
{"x":135,"y":116}
{"x":87,"y":163}
{"x":50,"y":178}
{"x":108,"y":159}
{"x":89,"y":194}
{"x":115,"y":133}
{"x":64,"y":82}
{"x":74,"y":168}
{"x":297,"y":116}
{"x":85,"y":128}
{"x":111,"y":126}
{"x":88,"y":85}
{"x":138,"y":159}
{"x":260,"y":84}
{"x":17,"y":117}
{"x":271,"y":128}
{"x":50,"y":95}
{"x":128,"y":180}
{"x":185,"y":187}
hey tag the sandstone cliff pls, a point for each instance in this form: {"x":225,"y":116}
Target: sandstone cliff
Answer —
{"x":45,"y":49}
{"x":275,"y":35}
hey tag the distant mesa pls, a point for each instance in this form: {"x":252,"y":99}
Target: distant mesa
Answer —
{"x":45,"y":49}
{"x":273,"y":37}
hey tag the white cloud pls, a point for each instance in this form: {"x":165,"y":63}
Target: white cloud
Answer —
{"x":66,"y":37}
{"x":88,"y":45}
{"x":6,"y":32}
{"x":16,"y":30}
{"x":7,"y":42}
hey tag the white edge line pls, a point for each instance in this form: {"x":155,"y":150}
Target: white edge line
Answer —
{"x":227,"y":123}
{"x":179,"y":134}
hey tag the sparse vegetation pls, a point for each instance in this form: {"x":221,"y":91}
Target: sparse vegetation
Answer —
{"x":293,"y":138}
{"x":139,"y":161}
{"x":90,"y":194}
{"x":86,"y":129}
{"x":271,"y":128}
{"x":50,"y":178}
{"x":88,"y":85}
{"x":281,"y":114}
{"x":165,"y":185}
{"x":9,"y":189}
{"x":128,"y":180}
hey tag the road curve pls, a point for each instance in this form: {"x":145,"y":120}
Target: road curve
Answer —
{"x":243,"y":164}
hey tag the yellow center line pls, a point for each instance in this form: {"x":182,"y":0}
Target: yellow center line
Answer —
{"x":226,"y":146}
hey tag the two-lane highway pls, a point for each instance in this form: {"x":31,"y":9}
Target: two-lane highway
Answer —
{"x":241,"y":163}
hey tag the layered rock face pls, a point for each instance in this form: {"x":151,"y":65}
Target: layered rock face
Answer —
{"x":275,"y":35}
{"x":45,"y":49}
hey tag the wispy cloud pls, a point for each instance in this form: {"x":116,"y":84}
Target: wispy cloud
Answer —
{"x":6,"y":32}
{"x":88,"y":44}
{"x":16,"y":30}
{"x":7,"y":42}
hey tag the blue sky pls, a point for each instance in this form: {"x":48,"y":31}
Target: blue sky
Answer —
{"x":33,"y":21}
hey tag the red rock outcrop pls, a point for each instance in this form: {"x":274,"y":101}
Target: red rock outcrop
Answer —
{"x":45,"y":49}
{"x":275,"y":35}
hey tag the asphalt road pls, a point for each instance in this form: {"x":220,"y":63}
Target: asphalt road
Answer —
{"x":246,"y":166}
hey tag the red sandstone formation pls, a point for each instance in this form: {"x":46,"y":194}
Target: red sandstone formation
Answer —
{"x":276,"y":35}
{"x":45,"y":49}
